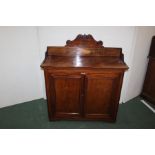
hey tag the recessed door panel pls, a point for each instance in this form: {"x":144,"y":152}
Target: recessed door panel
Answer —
{"x":101,"y":93}
{"x":66,"y":91}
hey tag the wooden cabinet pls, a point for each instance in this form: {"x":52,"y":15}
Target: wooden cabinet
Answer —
{"x":148,"y":91}
{"x":83,"y":80}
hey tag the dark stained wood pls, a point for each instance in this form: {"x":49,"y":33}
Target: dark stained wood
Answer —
{"x":83,"y":80}
{"x":84,"y":41}
{"x":152,"y":48}
{"x":100,"y":94}
{"x":78,"y":51}
{"x":148,"y":91}
{"x":67,"y":90}
{"x":84,"y":62}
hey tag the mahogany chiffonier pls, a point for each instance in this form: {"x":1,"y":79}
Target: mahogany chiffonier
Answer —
{"x":83,"y":80}
{"x":148,"y":91}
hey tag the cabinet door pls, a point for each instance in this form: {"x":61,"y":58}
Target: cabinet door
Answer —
{"x":102,"y":92}
{"x":65,"y":96}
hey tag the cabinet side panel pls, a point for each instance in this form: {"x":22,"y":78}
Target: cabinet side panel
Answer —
{"x":48,"y":94}
{"x":149,"y":84}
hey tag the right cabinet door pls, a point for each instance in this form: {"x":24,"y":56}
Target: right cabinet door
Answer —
{"x":102,"y":92}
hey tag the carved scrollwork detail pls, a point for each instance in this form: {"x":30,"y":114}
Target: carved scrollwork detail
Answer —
{"x":84,"y":41}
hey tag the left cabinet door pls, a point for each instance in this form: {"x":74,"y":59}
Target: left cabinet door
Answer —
{"x":65,"y":95}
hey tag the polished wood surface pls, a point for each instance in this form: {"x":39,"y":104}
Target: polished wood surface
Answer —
{"x":84,"y":41}
{"x":101,"y":91}
{"x":67,"y":90}
{"x":148,"y":91}
{"x":76,"y":51}
{"x":83,"y":80}
{"x":84,"y":62}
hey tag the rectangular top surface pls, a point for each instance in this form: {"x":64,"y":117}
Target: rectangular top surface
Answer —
{"x":86,"y":62}
{"x":84,"y":57}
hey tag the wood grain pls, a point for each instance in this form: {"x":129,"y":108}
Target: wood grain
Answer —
{"x":83,"y":80}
